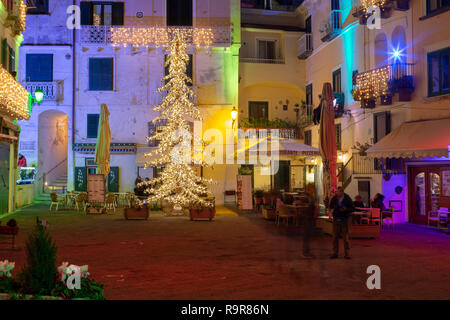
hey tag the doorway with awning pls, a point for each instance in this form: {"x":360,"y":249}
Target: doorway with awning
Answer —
{"x":424,"y":146}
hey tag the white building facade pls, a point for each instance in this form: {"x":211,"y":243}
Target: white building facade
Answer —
{"x":81,"y":69}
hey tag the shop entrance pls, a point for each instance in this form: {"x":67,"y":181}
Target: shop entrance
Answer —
{"x":424,"y":191}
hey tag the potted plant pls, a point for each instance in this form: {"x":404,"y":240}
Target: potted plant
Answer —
{"x":368,"y":103}
{"x":361,"y":148}
{"x":386,"y":99}
{"x":39,"y":277}
{"x":208,"y":211}
{"x":138,"y":210}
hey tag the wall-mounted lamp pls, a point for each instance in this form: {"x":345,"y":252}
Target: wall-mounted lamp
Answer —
{"x":38,"y":97}
{"x":234,"y":114}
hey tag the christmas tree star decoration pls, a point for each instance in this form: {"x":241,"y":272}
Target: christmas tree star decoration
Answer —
{"x":178,"y":182}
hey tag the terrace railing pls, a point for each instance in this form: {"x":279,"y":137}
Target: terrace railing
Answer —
{"x":305,"y":46}
{"x":50,"y":89}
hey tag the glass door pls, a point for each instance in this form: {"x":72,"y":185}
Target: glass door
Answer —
{"x":425,"y":192}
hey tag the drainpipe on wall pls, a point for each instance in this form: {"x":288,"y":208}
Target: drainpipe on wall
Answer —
{"x":74,"y":78}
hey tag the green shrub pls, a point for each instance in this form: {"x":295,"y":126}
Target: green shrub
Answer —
{"x":40,"y":273}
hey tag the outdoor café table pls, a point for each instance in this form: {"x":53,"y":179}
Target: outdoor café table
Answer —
{"x":359,"y":214}
{"x":121,"y":199}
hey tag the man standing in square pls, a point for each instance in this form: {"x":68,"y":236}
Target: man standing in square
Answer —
{"x":341,"y":207}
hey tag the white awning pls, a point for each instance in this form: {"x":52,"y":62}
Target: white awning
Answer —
{"x":285,"y":147}
{"x":415,"y":139}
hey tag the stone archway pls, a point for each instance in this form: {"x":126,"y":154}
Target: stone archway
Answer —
{"x":53,"y":128}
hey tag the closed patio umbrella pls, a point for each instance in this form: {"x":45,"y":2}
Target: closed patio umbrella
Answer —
{"x":328,"y":143}
{"x":102,"y":148}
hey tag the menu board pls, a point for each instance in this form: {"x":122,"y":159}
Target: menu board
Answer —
{"x":80,"y":177}
{"x":244,"y":192}
{"x":96,"y":188}
{"x":113,"y":179}
{"x":446,"y":183}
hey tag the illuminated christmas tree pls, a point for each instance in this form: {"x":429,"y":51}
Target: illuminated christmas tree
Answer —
{"x":178,"y":183}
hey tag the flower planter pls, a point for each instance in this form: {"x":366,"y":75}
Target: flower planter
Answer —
{"x":386,"y":100}
{"x":136,"y":213}
{"x":368,"y":103}
{"x":402,"y":5}
{"x":202,"y":213}
{"x":404,"y":94}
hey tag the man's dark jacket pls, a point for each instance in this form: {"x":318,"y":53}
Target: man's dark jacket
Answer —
{"x":347,"y":203}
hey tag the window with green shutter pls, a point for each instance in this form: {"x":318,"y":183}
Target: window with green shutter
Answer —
{"x":39,"y":67}
{"x":92,"y":125}
{"x":101,"y":74}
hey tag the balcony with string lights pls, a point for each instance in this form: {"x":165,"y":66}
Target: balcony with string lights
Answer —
{"x":14,"y":99}
{"x":17,"y":15}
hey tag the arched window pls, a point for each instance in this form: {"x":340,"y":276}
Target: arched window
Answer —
{"x":398,"y":44}
{"x":381,"y":50}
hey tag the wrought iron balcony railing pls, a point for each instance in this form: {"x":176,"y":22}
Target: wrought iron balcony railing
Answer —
{"x":384,"y":82}
{"x":218,"y":34}
{"x":51,"y":89}
{"x":261,"y":60}
{"x":285,"y":133}
{"x":332,"y":26}
{"x":305,"y":46}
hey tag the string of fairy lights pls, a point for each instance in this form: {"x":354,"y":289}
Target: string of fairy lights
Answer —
{"x":372,"y":84}
{"x":368,"y":3}
{"x":13,"y":97}
{"x":178,"y":183}
{"x":145,"y":36}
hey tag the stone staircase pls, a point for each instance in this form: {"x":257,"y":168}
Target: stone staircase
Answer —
{"x":59,"y":185}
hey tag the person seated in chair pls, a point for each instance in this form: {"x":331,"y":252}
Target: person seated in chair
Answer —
{"x":358,"y":203}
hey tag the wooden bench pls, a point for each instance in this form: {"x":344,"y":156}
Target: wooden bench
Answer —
{"x":10,"y":231}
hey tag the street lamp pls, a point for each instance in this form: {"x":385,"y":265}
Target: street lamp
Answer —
{"x":234,"y":114}
{"x":38,"y":97}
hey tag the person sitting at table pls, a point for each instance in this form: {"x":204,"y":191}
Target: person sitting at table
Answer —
{"x":377,"y":202}
{"x":358,"y":203}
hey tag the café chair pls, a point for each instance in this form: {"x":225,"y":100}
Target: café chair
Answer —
{"x":110,"y":202}
{"x":81,"y":201}
{"x":286,"y":213}
{"x":388,"y":216}
{"x":55,"y":201}
{"x":433,"y":217}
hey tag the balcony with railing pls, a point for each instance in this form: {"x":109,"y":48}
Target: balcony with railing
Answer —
{"x":382,"y":83}
{"x":361,"y":8}
{"x":284,"y":133}
{"x":17,"y":15}
{"x":331,"y":27}
{"x":305,"y":46}
{"x":52,"y":89}
{"x":13,"y":97}
{"x":216,"y":34}
{"x":277,"y":5}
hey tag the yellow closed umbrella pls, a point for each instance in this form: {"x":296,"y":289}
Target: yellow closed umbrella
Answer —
{"x":102,"y":148}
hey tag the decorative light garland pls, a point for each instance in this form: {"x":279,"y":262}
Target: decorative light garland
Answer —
{"x":178,"y":183}
{"x":372,"y":84}
{"x":368,"y":3}
{"x":145,"y":36}
{"x":22,"y":14}
{"x":13,"y":97}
